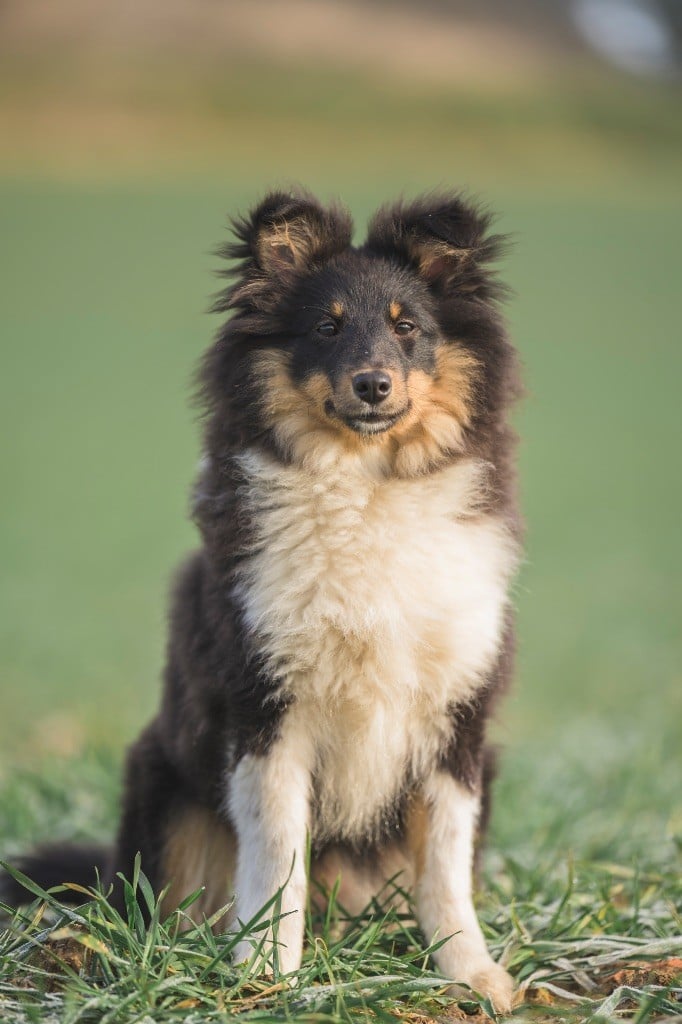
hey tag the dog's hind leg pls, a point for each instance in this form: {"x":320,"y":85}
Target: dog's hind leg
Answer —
{"x":183,"y":845}
{"x":384,"y":873}
{"x":199,"y":852}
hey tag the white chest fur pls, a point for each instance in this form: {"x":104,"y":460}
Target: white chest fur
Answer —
{"x":377,"y":604}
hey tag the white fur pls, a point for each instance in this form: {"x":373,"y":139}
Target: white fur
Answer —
{"x":270,"y":843}
{"x":378,"y":604}
{"x":444,"y":892}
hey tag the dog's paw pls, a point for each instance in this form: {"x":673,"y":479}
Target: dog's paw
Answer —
{"x":490,"y":980}
{"x":495,"y":983}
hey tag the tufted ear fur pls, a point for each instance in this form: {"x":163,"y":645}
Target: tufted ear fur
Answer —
{"x":445,"y":238}
{"x":288,"y":232}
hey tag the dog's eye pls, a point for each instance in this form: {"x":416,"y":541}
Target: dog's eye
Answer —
{"x":403,"y":327}
{"x":327,"y":329}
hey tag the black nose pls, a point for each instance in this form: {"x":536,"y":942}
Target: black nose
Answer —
{"x":373,"y":386}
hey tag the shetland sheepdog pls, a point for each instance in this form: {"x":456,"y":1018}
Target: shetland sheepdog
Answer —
{"x":339,"y":639}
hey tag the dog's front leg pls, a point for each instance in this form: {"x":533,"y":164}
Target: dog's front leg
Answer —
{"x":446,"y":832}
{"x":269,"y":807}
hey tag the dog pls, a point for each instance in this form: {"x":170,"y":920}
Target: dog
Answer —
{"x":338,"y":641}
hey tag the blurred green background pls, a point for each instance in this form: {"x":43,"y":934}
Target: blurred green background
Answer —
{"x":130,"y":131}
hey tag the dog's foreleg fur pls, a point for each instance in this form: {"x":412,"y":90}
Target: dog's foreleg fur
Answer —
{"x":269,"y":798}
{"x":444,"y":889}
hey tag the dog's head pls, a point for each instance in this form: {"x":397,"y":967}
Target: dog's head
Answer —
{"x":395,"y":346}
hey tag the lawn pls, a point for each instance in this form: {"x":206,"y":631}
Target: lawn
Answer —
{"x":103,"y":295}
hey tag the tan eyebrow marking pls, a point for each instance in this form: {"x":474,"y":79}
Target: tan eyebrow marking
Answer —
{"x":336,"y":309}
{"x":395,"y":310}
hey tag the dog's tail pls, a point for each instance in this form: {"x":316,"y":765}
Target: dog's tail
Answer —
{"x":55,"y":864}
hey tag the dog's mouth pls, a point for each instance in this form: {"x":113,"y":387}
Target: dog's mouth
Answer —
{"x":368,"y":423}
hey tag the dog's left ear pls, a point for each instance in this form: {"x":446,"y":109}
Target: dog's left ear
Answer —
{"x":446,"y":239}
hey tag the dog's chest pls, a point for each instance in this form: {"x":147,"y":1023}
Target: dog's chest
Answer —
{"x":377,"y":605}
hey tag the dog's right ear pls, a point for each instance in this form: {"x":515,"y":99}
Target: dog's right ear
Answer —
{"x":286,"y":233}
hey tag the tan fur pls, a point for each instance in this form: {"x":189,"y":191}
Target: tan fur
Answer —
{"x":415,"y":834}
{"x":200,"y":850}
{"x":336,"y":309}
{"x":441,"y":407}
{"x":395,"y":309}
{"x":432,"y":254}
{"x":290,"y":409}
{"x":382,"y":876}
{"x":315,"y":390}
{"x":289,"y":242}
{"x":297,"y":413}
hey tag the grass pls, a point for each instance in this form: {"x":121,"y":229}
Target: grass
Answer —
{"x":586,"y":940}
{"x":103,"y":290}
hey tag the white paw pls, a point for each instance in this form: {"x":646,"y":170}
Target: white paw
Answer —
{"x":489,"y":979}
